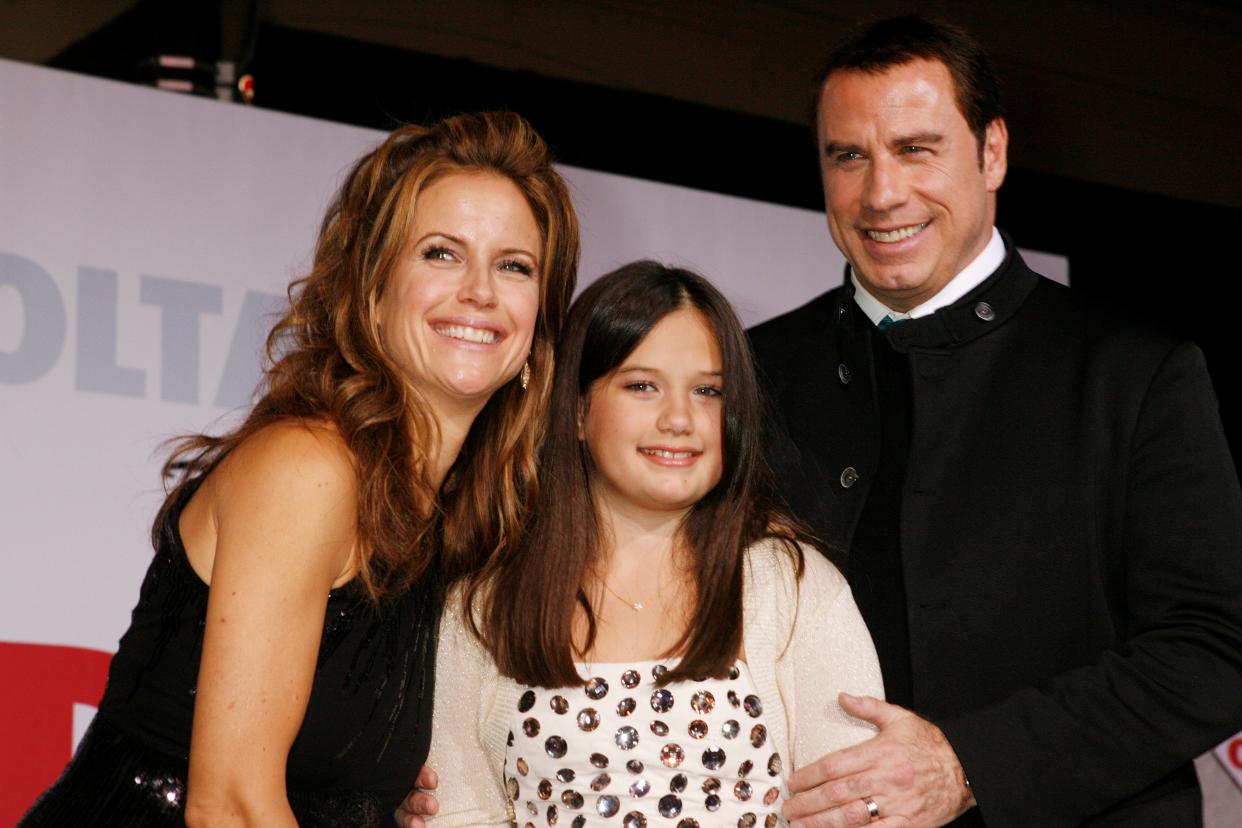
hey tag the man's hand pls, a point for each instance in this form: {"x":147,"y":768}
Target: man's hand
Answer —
{"x":418,"y":803}
{"x":908,"y":770}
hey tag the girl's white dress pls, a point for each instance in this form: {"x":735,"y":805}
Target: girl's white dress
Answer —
{"x":623,"y":751}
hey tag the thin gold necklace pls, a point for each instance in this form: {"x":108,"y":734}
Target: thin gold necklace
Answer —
{"x":637,"y":606}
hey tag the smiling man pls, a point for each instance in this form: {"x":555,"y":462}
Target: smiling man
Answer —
{"x":1034,"y":499}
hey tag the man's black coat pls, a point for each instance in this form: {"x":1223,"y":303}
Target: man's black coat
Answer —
{"x":1070,"y":535}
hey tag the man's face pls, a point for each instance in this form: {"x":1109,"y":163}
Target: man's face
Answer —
{"x":908,"y":201}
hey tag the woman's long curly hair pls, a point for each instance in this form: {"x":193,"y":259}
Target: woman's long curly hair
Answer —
{"x":327,"y":362}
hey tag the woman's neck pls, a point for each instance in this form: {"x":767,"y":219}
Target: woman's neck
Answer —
{"x":451,"y":429}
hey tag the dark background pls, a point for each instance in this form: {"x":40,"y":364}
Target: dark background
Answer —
{"x":1125,"y":118}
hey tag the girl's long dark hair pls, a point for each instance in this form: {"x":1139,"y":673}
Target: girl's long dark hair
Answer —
{"x":527,"y":620}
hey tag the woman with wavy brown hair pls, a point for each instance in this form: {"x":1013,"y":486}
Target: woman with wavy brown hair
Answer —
{"x":278,"y":668}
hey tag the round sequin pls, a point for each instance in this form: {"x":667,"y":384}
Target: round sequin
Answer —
{"x":753,"y":707}
{"x":697,"y":729}
{"x":672,"y":755}
{"x":634,"y":819}
{"x":599,"y":760}
{"x":688,"y":823}
{"x":579,"y":822}
{"x":747,"y":820}
{"x":571,"y":799}
{"x":659,"y":728}
{"x":544,"y":789}
{"x":559,"y":705}
{"x":743,"y":790}
{"x":669,"y":806}
{"x":601,"y":781}
{"x":771,"y":821}
{"x":634,"y":766}
{"x":678,"y":783}
{"x":509,"y":740}
{"x":771,"y":796}
{"x":712,"y":803}
{"x":527,"y":701}
{"x":733,"y":699}
{"x":626,"y":738}
{"x":522,"y":767}
{"x":658,"y":671}
{"x":630,"y":679}
{"x":607,"y":806}
{"x":734,"y":673}
{"x":596,"y":689}
{"x":702,"y":702}
{"x":531,"y":727}
{"x":555,"y":747}
{"x":565,"y":775}
{"x":661,"y":701}
{"x":532,"y":808}
{"x":713,"y":758}
{"x":588,"y":719}
{"x":711,"y":785}
{"x":774,"y":765}
{"x":553,"y":814}
{"x":744,"y":769}
{"x":758,"y":735}
{"x":626,"y":706}
{"x":639,"y":787}
{"x":730,"y":729}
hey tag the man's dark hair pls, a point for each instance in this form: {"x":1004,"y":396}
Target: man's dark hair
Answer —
{"x":898,"y":40}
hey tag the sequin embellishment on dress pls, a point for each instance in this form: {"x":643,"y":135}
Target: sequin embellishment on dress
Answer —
{"x":621,"y":751}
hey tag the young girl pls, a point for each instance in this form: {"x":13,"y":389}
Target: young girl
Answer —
{"x":665,"y":644}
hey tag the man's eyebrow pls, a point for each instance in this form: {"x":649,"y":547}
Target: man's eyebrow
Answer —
{"x":917,"y":139}
{"x":834,"y":147}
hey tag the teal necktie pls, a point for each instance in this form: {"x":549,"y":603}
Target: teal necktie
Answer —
{"x":883,"y":324}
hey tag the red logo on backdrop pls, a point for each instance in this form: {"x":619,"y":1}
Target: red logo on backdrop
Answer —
{"x":41,"y":684}
{"x":1229,"y":754}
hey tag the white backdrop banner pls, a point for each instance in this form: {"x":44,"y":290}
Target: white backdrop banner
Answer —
{"x":146,"y":238}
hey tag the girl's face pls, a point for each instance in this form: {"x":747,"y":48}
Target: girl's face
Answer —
{"x":653,"y":425}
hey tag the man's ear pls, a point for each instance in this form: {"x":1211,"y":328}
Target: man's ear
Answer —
{"x":995,"y":157}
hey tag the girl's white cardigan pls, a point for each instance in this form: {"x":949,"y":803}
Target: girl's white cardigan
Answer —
{"x":805,"y":643}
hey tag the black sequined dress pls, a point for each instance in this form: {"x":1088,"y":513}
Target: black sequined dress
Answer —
{"x":363,"y":739}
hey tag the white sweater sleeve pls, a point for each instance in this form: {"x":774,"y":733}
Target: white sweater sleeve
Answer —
{"x":471,"y":790}
{"x":829,"y":651}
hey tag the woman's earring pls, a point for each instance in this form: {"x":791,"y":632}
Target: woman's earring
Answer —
{"x":525,"y":374}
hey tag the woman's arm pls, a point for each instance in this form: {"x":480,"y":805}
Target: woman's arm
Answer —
{"x":282,"y":506}
{"x":471,"y":772}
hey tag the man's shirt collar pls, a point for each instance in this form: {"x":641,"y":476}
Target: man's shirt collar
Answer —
{"x":973,"y":275}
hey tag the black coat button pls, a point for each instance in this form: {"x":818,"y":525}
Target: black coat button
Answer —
{"x":984,"y":311}
{"x":849,"y":477}
{"x":844,"y":373}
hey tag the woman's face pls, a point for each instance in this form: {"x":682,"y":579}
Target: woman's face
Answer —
{"x":459,"y":309}
{"x":652,"y":426}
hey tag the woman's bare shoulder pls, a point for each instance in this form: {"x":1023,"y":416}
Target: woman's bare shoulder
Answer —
{"x":289,"y":486}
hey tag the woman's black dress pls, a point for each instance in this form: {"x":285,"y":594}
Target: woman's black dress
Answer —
{"x":364,"y":737}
